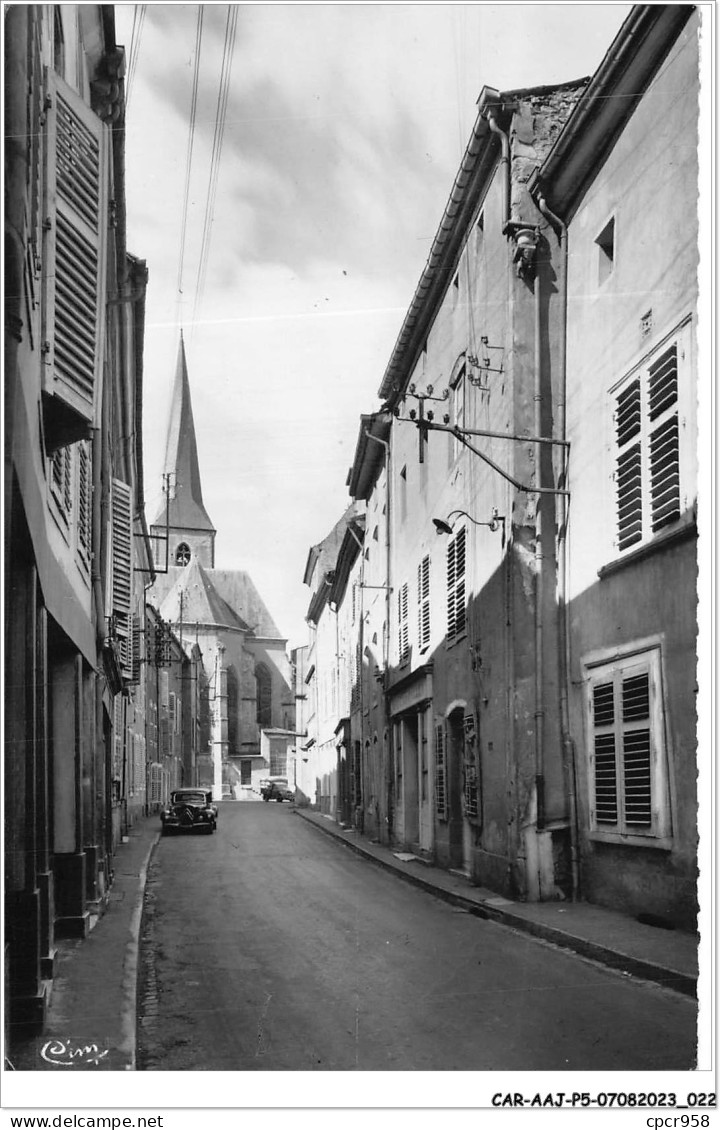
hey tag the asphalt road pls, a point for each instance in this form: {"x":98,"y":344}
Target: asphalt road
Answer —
{"x":270,"y":947}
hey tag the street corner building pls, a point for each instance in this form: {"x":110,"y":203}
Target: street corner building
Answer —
{"x":77,"y":550}
{"x":501,"y":668}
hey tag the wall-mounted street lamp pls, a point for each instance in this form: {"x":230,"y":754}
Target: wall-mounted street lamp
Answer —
{"x":443,"y":525}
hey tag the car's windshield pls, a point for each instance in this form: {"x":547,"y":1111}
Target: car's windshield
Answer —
{"x":188,"y":798}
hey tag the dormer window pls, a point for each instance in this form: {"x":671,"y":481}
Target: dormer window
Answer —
{"x":182,"y":554}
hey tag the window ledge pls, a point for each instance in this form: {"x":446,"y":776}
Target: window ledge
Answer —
{"x":683,"y":532}
{"x":659,"y":843}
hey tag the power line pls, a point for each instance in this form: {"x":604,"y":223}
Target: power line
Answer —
{"x":223,"y":95}
{"x":191,"y":138}
{"x":135,"y":37}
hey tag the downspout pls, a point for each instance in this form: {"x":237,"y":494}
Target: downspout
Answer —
{"x":386,"y":640}
{"x":361,"y":656}
{"x":563,"y":650}
{"x":539,"y":578}
{"x":504,"y":164}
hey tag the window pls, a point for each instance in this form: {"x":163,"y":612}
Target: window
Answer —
{"x":606,"y":251}
{"x":456,"y":586}
{"x":403,"y":625}
{"x":182,"y":554}
{"x":424,"y":604}
{"x":263,"y":682}
{"x":278,"y":761}
{"x":628,"y":785}
{"x":647,"y":438}
{"x":441,"y":809}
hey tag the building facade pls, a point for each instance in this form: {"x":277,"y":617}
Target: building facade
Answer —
{"x":631,"y":381}
{"x":75,"y":538}
{"x":529,"y":492}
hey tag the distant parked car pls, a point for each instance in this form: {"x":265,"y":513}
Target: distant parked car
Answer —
{"x":190,"y":810}
{"x":276,"y":788}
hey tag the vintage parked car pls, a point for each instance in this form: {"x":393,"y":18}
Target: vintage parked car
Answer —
{"x":276,"y":788}
{"x":190,"y":810}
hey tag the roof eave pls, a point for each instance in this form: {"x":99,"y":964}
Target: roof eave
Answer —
{"x":608,"y":102}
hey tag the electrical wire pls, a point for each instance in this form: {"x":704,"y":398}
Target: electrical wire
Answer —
{"x":135,"y":38}
{"x":191,"y":139}
{"x":223,"y":94}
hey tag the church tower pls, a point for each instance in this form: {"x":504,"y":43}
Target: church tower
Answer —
{"x":183,"y":515}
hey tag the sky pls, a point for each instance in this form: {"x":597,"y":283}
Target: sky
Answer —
{"x":345,"y":126}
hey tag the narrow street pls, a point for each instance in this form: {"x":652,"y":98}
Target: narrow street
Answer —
{"x":269,"y":947}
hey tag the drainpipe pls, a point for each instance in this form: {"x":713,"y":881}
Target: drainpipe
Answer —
{"x":386,"y":641}
{"x":539,"y":577}
{"x":504,"y":164}
{"x":563,"y":650}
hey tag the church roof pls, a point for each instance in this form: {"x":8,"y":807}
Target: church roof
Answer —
{"x":226,"y":597}
{"x":193,"y":599}
{"x":238,"y":589}
{"x":186,"y":507}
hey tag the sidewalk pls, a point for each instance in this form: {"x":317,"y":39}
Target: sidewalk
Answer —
{"x":92,"y":1011}
{"x":668,"y":957}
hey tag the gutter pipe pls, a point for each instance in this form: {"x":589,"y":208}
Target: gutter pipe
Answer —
{"x":386,"y":642}
{"x":563,"y":650}
{"x":491,"y":116}
{"x":539,"y":579}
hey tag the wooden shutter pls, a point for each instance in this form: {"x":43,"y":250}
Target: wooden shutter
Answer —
{"x":471,"y":787}
{"x":121,"y":560}
{"x":403,"y":626}
{"x":623,"y":750}
{"x":664,"y":439}
{"x":156,"y":783}
{"x":456,"y":586}
{"x":628,"y":423}
{"x":424,"y":603}
{"x":84,"y":520}
{"x":606,"y":775}
{"x":75,"y":227}
{"x":637,"y":774}
{"x":440,"y":772}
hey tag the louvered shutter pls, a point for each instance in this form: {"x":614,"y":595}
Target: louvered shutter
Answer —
{"x":403,"y":626}
{"x":605,"y":754}
{"x":84,"y":521}
{"x":624,"y":749}
{"x":156,"y":783}
{"x":664,"y":439}
{"x":75,"y":227}
{"x":121,"y":559}
{"x":440,"y":772}
{"x":424,"y":603}
{"x":456,"y":586}
{"x":135,"y":658}
{"x":637,"y":775}
{"x":471,"y":787}
{"x":628,"y":423}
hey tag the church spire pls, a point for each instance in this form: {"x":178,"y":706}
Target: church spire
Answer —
{"x":186,"y":516}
